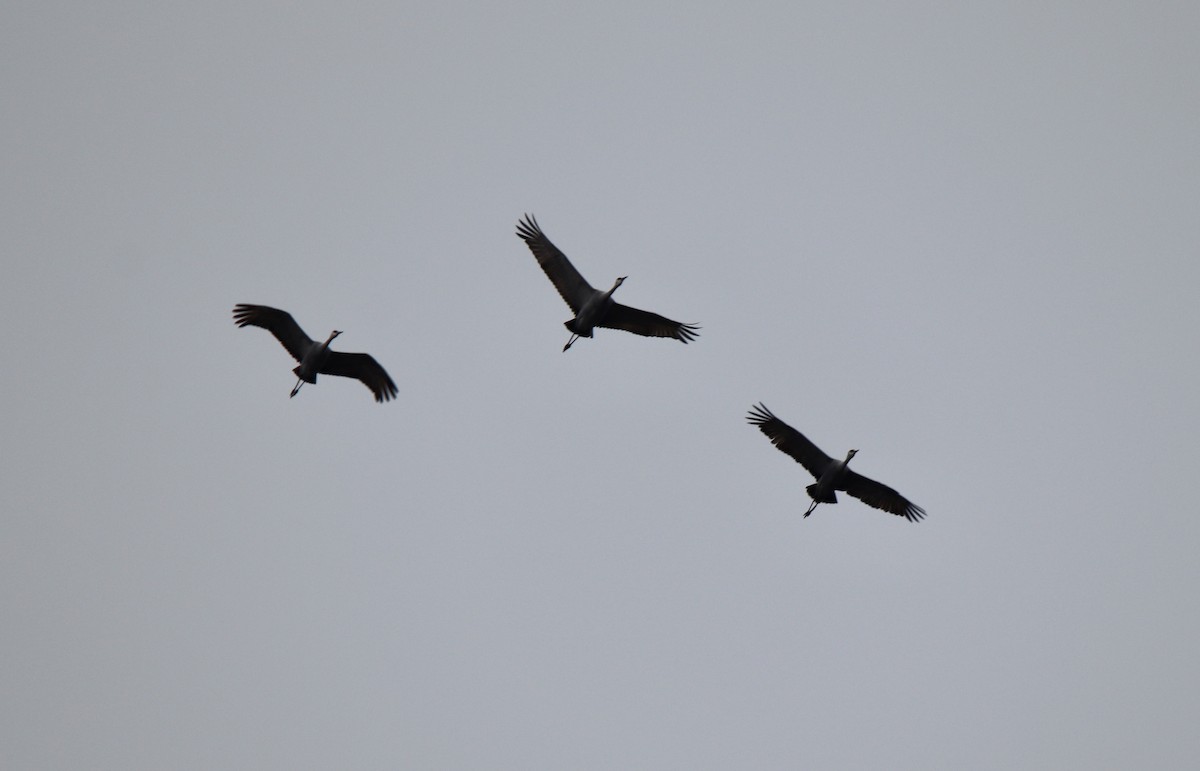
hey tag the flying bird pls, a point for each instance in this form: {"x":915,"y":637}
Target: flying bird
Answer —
{"x":832,"y":475}
{"x":316,"y":358}
{"x":592,"y":307}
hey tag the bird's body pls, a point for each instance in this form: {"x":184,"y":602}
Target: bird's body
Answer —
{"x":592,"y":307}
{"x":316,"y":358}
{"x":831,"y":475}
{"x":824,"y":490}
{"x":593,"y":311}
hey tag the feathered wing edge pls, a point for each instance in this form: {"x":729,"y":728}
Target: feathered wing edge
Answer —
{"x":789,"y":441}
{"x":571,"y":285}
{"x":362,"y":367}
{"x":880,"y":496}
{"x":647,"y":324}
{"x":277,"y":322}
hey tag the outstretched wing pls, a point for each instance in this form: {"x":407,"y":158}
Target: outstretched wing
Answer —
{"x":363,"y":367}
{"x":646,"y":323}
{"x":572,"y":286}
{"x":790,"y":441}
{"x":880,"y":496}
{"x":277,"y":322}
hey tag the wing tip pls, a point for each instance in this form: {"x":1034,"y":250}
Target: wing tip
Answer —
{"x":244,"y":313}
{"x":387,"y":392}
{"x":528,"y":228}
{"x":759,"y":415}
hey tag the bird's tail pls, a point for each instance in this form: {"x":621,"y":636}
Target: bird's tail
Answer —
{"x":571,"y":325}
{"x":829,"y":497}
{"x":310,"y":379}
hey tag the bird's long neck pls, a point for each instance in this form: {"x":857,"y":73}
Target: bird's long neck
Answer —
{"x":616,"y":284}
{"x":332,"y":335}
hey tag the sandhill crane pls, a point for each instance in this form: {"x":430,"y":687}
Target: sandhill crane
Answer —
{"x":592,"y":307}
{"x":832,"y":475}
{"x":316,"y":358}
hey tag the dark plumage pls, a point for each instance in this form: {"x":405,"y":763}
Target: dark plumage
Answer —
{"x":592,"y":307}
{"x":316,"y":358}
{"x":832,"y":475}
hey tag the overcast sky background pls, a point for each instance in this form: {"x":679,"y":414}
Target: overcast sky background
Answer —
{"x":961,"y":238}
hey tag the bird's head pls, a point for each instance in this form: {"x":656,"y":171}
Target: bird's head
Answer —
{"x":850,"y":455}
{"x":620,"y":280}
{"x":334,"y":334}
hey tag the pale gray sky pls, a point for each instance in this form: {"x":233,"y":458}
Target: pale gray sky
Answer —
{"x":961,"y":238}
